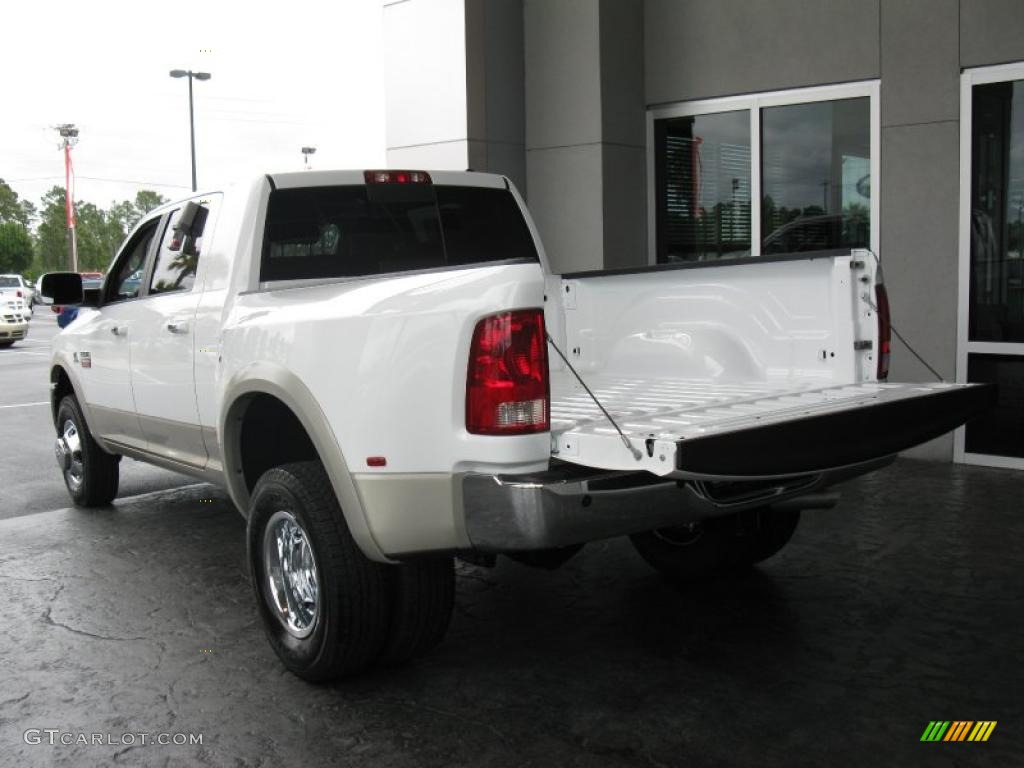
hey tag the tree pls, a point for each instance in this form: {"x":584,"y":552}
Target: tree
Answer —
{"x":145,"y":201}
{"x":52,"y":233}
{"x":15,"y":247}
{"x":13,"y":209}
{"x":99,"y":233}
{"x":96,"y":248}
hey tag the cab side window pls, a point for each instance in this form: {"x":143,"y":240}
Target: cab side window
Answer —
{"x":177,"y":258}
{"x":125,"y":279}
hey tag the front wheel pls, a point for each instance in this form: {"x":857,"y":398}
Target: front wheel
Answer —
{"x":90,"y":473}
{"x":717,"y":546}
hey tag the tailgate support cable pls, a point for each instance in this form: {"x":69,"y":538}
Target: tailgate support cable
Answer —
{"x":635,"y":452}
{"x":898,"y":335}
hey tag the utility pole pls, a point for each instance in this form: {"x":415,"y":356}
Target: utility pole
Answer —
{"x":68,"y":138}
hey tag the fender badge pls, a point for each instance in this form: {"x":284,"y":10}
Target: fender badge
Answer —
{"x":85,"y":359}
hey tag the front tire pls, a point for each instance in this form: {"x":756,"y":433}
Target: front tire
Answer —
{"x":90,"y":473}
{"x":325,"y":606}
{"x":717,"y":546}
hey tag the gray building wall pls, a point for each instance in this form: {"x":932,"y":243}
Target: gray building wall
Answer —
{"x":495,"y":97}
{"x":585,"y":118}
{"x":706,"y":48}
{"x":698,"y":49}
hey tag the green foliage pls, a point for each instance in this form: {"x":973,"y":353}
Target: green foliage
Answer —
{"x":99,"y":232}
{"x":15,"y":247}
{"x":51,"y":233}
{"x":13,"y":209}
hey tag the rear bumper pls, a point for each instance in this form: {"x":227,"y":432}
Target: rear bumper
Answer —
{"x":571,"y":505}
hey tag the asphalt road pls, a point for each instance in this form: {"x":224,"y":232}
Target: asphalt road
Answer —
{"x":899,"y":607}
{"x":29,"y":478}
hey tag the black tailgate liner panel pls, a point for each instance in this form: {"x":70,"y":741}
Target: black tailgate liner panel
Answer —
{"x":817,"y":443}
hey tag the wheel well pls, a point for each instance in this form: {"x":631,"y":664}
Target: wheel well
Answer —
{"x":60,"y":387}
{"x":271,"y":435}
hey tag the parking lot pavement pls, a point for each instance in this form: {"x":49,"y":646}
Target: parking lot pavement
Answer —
{"x":29,"y":479}
{"x":901,"y":606}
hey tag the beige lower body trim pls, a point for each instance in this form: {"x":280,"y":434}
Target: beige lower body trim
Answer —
{"x":410,"y":513}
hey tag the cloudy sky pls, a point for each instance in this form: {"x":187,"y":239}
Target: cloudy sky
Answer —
{"x":285,"y":75}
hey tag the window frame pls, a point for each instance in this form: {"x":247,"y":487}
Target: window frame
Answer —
{"x":754,"y":103}
{"x":968,"y":79}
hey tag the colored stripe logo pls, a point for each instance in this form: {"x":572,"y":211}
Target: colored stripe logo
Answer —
{"x":958,"y":730}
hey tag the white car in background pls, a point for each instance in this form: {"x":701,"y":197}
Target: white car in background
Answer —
{"x":15,"y":295}
{"x":13,"y":326}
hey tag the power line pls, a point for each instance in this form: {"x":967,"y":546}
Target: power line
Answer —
{"x":98,"y":178}
{"x":135,"y":181}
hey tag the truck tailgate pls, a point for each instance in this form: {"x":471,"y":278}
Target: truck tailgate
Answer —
{"x":698,"y":429}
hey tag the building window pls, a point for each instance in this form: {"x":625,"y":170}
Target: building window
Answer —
{"x":704,"y":186}
{"x":764,"y":175}
{"x":816,"y":176}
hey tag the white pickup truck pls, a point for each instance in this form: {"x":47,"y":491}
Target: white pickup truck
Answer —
{"x":384,"y":373}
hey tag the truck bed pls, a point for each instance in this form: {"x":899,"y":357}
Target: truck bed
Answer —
{"x":739,"y":370}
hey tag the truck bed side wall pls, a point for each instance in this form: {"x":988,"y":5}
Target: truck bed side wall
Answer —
{"x":753,"y":321}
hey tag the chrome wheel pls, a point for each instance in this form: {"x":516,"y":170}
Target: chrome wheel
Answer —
{"x":293,"y":580}
{"x":69,"y":455}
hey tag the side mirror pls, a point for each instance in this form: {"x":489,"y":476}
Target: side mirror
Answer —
{"x":191,"y":221}
{"x":62,"y":288}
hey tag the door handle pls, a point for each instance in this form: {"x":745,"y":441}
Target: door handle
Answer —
{"x":177,"y":327}
{"x":119,"y":330}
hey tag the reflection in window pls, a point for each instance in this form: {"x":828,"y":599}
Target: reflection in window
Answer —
{"x":816,"y":176}
{"x":178,"y":256}
{"x":703,"y":186}
{"x":997,"y":213}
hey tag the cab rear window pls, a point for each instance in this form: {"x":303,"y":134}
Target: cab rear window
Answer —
{"x":357,"y":230}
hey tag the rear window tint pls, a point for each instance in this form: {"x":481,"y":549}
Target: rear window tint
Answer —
{"x":350,"y":231}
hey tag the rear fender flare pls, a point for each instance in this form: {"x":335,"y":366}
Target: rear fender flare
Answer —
{"x":269,"y":379}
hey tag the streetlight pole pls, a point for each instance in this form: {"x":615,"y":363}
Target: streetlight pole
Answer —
{"x":191,"y":119}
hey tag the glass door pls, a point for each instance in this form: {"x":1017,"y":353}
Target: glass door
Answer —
{"x":991,"y":318}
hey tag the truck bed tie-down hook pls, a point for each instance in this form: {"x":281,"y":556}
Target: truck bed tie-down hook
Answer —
{"x":635,"y":452}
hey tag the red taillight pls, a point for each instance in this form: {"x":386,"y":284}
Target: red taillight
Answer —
{"x":884,"y":330}
{"x":19,"y":294}
{"x":507,"y":382}
{"x":396,"y":177}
